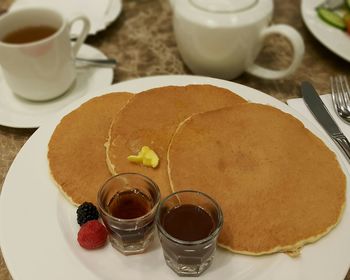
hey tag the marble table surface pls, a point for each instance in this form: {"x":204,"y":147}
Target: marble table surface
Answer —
{"x":143,"y":43}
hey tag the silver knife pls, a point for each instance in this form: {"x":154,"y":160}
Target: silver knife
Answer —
{"x":320,"y":112}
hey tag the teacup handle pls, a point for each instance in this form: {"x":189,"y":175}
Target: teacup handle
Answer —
{"x":298,"y":51}
{"x":80,"y":39}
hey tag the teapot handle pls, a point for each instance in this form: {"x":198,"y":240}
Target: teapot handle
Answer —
{"x":298,"y":51}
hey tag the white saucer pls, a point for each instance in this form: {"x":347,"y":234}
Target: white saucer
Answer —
{"x":100,"y":16}
{"x":21,"y":113}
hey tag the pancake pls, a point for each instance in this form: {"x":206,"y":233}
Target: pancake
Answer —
{"x":151,"y":118}
{"x":76,"y":153}
{"x":279,"y":185}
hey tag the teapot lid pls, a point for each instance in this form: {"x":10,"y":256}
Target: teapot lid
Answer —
{"x":223,"y":13}
{"x":224,"y":6}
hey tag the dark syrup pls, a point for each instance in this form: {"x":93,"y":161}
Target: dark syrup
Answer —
{"x":129,"y":204}
{"x":188,"y":223}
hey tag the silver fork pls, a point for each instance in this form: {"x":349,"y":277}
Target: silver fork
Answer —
{"x":341,"y":97}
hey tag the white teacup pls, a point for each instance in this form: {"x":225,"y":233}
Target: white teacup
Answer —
{"x":39,"y":68}
{"x":222,"y":38}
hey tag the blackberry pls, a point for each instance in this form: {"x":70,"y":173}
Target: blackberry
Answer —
{"x":87,"y":212}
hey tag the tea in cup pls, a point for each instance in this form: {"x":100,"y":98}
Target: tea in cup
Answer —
{"x":36,"y":55}
{"x":222,"y":38}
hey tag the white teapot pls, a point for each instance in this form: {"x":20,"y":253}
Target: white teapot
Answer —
{"x":222,"y":38}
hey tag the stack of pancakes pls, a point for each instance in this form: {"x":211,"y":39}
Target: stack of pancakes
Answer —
{"x":278,"y":185}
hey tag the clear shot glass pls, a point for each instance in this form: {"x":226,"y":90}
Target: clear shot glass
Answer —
{"x":128,"y":204}
{"x":188,"y":225}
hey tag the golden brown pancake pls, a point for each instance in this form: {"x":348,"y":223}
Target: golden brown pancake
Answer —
{"x":76,"y":154}
{"x":279,"y":186}
{"x":151,"y":118}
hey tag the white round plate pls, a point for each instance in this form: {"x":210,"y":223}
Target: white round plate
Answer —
{"x":334,"y":39}
{"x":99,"y":21}
{"x":38,"y":225}
{"x":20,"y":113}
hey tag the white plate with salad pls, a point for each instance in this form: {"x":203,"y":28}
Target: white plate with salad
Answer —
{"x":330,"y":27}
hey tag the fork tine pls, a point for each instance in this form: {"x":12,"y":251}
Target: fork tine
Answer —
{"x":334,"y":96}
{"x":335,"y":93}
{"x":344,"y":94}
{"x":339,"y":92}
{"x":346,"y":84}
{"x":346,"y":91}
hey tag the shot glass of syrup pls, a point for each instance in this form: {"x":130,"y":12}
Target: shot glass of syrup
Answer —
{"x":128,"y":204}
{"x":188,"y":225}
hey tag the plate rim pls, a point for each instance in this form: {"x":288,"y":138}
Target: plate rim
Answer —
{"x":329,"y":45}
{"x":49,"y":125}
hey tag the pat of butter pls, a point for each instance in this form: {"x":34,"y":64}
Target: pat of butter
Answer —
{"x":146,"y":156}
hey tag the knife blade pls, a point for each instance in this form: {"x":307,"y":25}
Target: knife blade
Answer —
{"x":321,"y":113}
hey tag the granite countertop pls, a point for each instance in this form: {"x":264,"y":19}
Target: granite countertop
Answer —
{"x":142,"y":40}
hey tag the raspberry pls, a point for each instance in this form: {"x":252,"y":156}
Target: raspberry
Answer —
{"x":87,"y":212}
{"x":92,"y":235}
